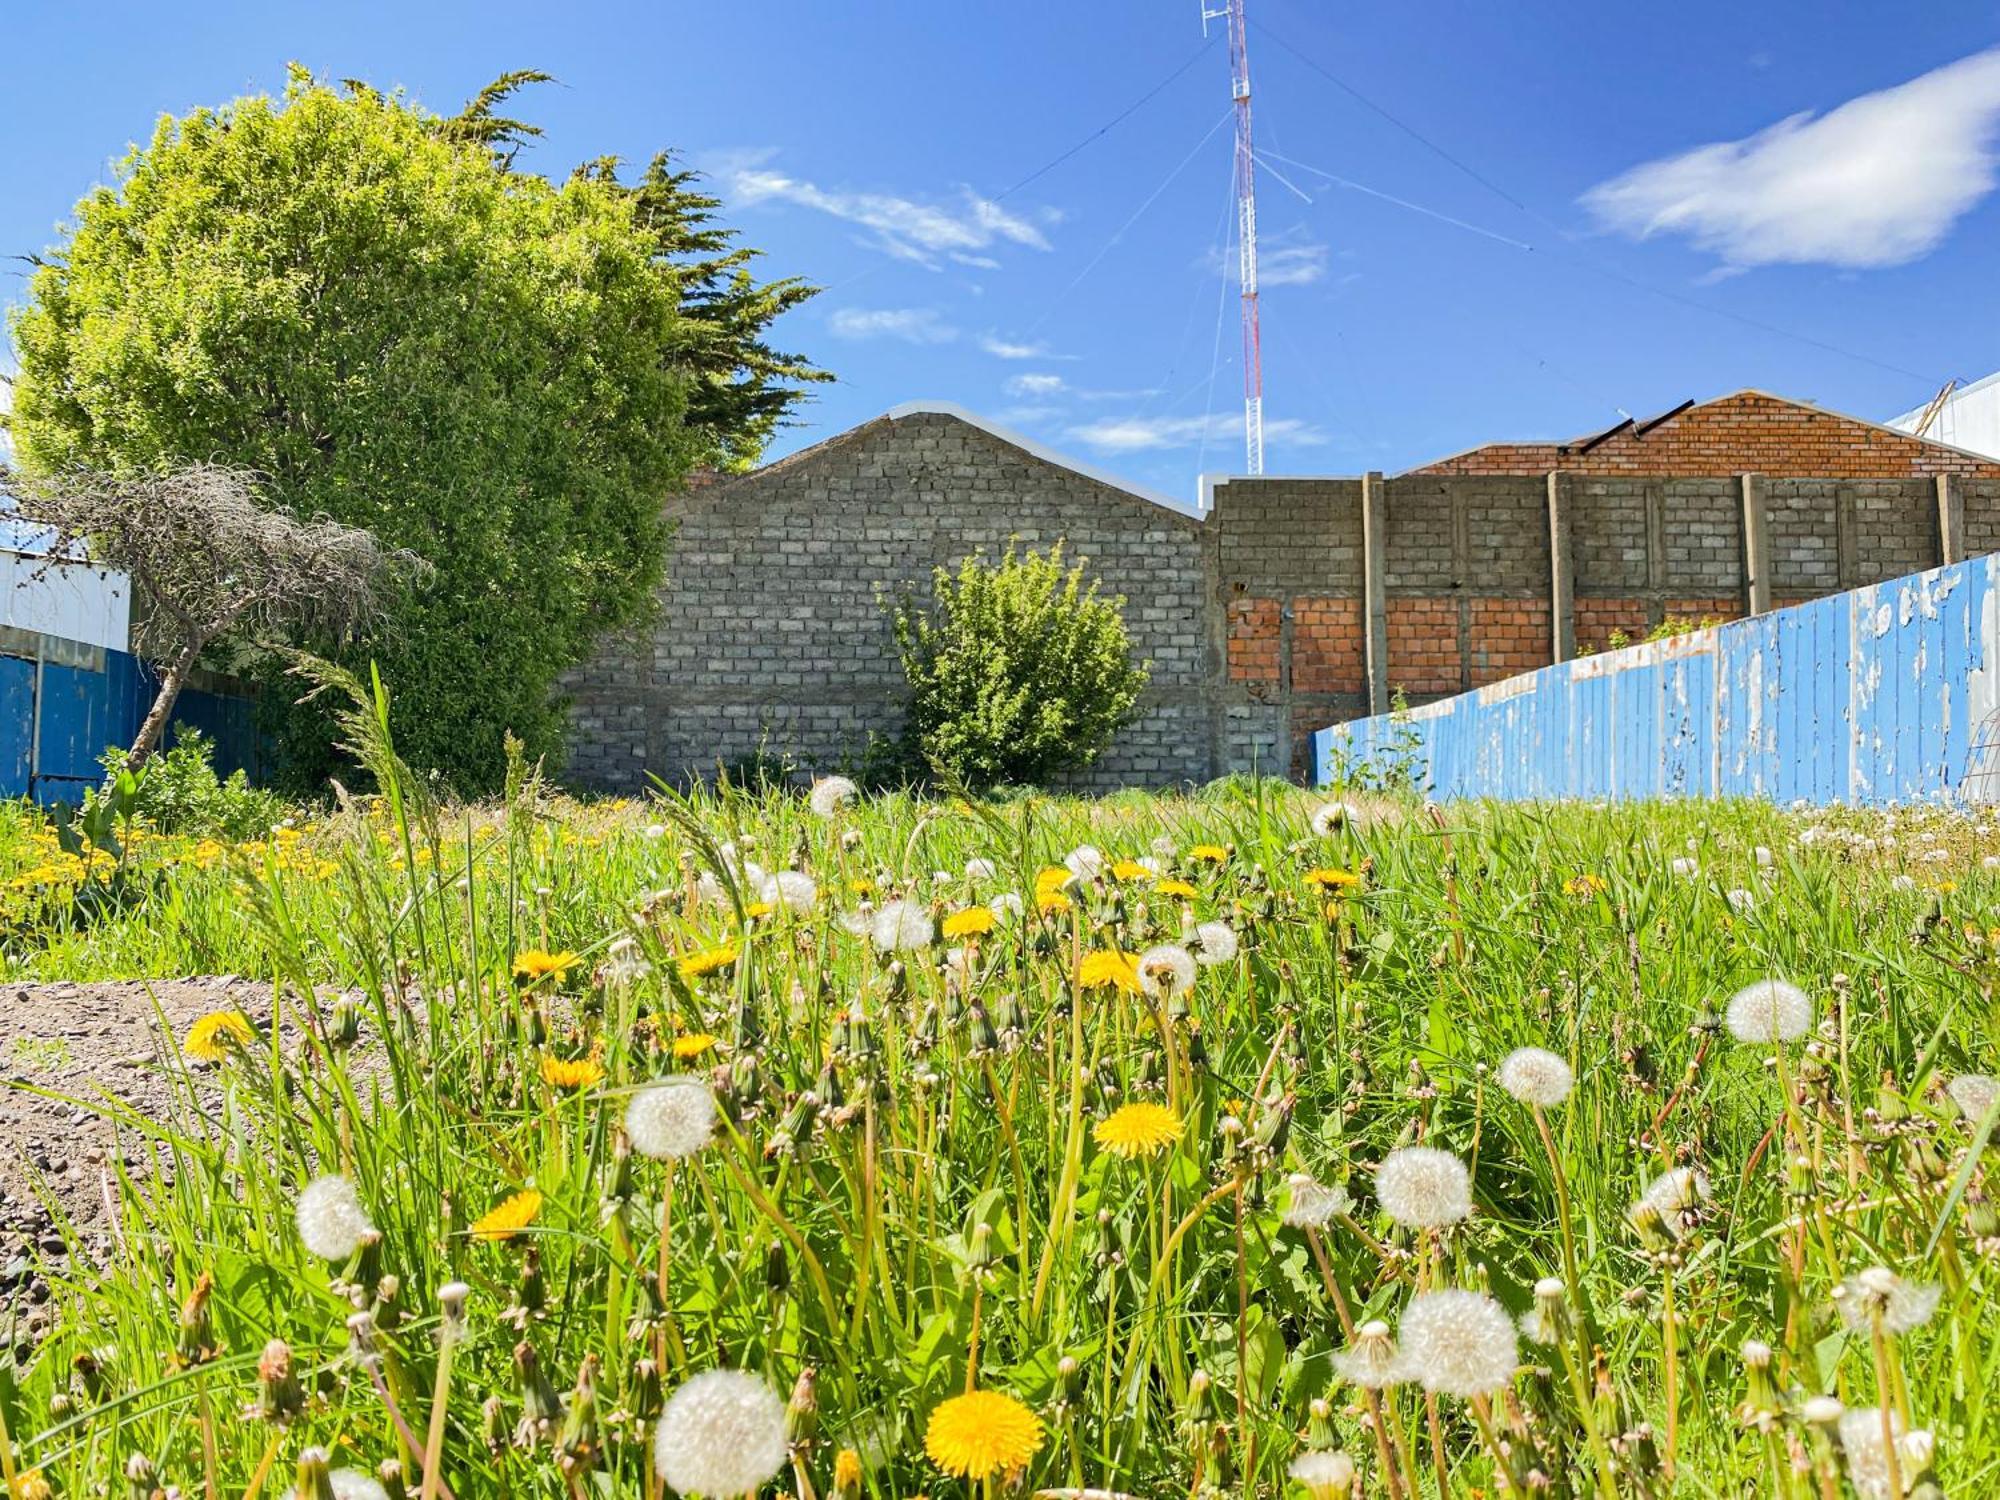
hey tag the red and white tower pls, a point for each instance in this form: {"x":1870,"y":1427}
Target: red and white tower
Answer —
{"x":1231,"y":12}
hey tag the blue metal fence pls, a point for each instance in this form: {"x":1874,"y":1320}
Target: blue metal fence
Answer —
{"x":1886,"y":694}
{"x":60,"y":712}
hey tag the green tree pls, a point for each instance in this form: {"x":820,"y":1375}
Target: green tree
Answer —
{"x":374,"y":310}
{"x":1017,"y":670}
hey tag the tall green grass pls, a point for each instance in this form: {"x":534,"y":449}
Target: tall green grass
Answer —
{"x":906,"y":1198}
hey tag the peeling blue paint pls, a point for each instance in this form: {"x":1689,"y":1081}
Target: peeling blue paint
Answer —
{"x":1886,"y":694}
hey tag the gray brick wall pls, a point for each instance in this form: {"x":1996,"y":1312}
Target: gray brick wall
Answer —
{"x":769,"y":634}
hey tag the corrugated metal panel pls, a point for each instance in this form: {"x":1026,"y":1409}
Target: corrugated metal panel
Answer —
{"x":1887,"y":694}
{"x":61,"y":711}
{"x":76,"y":603}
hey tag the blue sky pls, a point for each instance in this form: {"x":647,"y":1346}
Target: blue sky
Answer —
{"x":1691,"y":179}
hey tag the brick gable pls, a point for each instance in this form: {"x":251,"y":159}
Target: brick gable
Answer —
{"x":1749,"y":432}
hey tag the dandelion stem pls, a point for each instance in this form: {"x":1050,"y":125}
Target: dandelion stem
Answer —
{"x":1885,"y":1402}
{"x":1482,"y":1412}
{"x":440,"y":1389}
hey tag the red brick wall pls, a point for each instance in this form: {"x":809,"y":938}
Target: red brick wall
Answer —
{"x":1423,"y":646}
{"x":1253,"y":640}
{"x":1327,"y":646}
{"x":1747,"y":433}
{"x":1506,"y":637}
{"x":1597,"y":619}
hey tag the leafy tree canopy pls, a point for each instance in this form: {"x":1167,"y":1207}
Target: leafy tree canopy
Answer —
{"x":379,"y":313}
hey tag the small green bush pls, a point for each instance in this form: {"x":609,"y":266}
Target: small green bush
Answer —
{"x":1017,"y":670}
{"x":179,"y":792}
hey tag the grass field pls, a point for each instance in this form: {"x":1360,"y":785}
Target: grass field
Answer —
{"x":1034,"y":1145}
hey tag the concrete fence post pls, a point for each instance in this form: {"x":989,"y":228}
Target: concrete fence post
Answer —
{"x":1375,"y":588}
{"x":1756,"y":546}
{"x":1951,"y":520}
{"x":1562,"y":572}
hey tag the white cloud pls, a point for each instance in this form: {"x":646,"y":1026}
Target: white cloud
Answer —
{"x":1034,"y":385}
{"x":1147,"y":434}
{"x":1876,"y":182}
{"x":1284,"y":260}
{"x":962,"y":230}
{"x":1001,"y":348}
{"x":914,"y":325}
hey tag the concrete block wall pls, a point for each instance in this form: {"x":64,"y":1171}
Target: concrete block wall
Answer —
{"x":1295,"y":603}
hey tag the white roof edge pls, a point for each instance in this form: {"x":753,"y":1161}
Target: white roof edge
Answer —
{"x":1047,"y":454}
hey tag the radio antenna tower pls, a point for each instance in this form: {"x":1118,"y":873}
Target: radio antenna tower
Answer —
{"x":1231,"y":13}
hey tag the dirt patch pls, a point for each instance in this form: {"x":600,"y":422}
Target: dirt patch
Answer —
{"x":85,"y":1041}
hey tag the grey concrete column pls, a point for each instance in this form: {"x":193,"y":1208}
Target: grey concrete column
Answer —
{"x":1951,"y":519}
{"x":1562,"y":572}
{"x":1756,"y":546}
{"x":1375,"y":588}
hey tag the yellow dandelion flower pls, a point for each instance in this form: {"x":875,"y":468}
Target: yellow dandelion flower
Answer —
{"x":509,"y":1217}
{"x":30,"y":1484}
{"x":1052,"y":878}
{"x":1139,"y":1129}
{"x":1329,"y":879}
{"x":1584,"y":885}
{"x":1108,"y":968}
{"x":1178,"y":888}
{"x":571,"y":1073}
{"x":974,"y":921}
{"x":1052,"y":901}
{"x":982,"y":1433}
{"x":707,"y":961}
{"x":215,"y":1036}
{"x":1209,"y":854}
{"x":535,"y":965}
{"x":1130,"y":869}
{"x":692,"y":1045}
{"x":846,"y":1472}
{"x":758,"y":909}
{"x":862,"y":887}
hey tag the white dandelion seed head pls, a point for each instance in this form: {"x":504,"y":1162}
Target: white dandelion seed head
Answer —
{"x":668,"y":1121}
{"x":977,"y":869}
{"x":1459,"y":1343}
{"x":1989,"y":862}
{"x":830,"y":794}
{"x":1330,"y":817}
{"x":1740,"y":900}
{"x":791,"y":889}
{"x":721,"y":1434}
{"x":1675,"y":1195}
{"x":1085,"y":861}
{"x":352,"y":1484}
{"x":1904,"y":883}
{"x":857,"y":922}
{"x":902,"y":925}
{"x":1005,"y":907}
{"x":1863,"y":1444}
{"x":1769,"y":1012}
{"x":941,"y":879}
{"x":1537,"y":1076}
{"x":1372,"y":1361}
{"x":1974,"y":1094}
{"x":1313,"y":1203}
{"x":1166,"y":969}
{"x":332,"y":1223}
{"x":1324,"y":1474}
{"x":1763,"y":857}
{"x":1421,"y":1187}
{"x":1684,"y":867}
{"x":625,"y":962}
{"x":1215,"y":943}
{"x":1902,"y":1305}
{"x":1162,"y":846}
{"x":1822,"y":1411}
{"x":654,"y":831}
